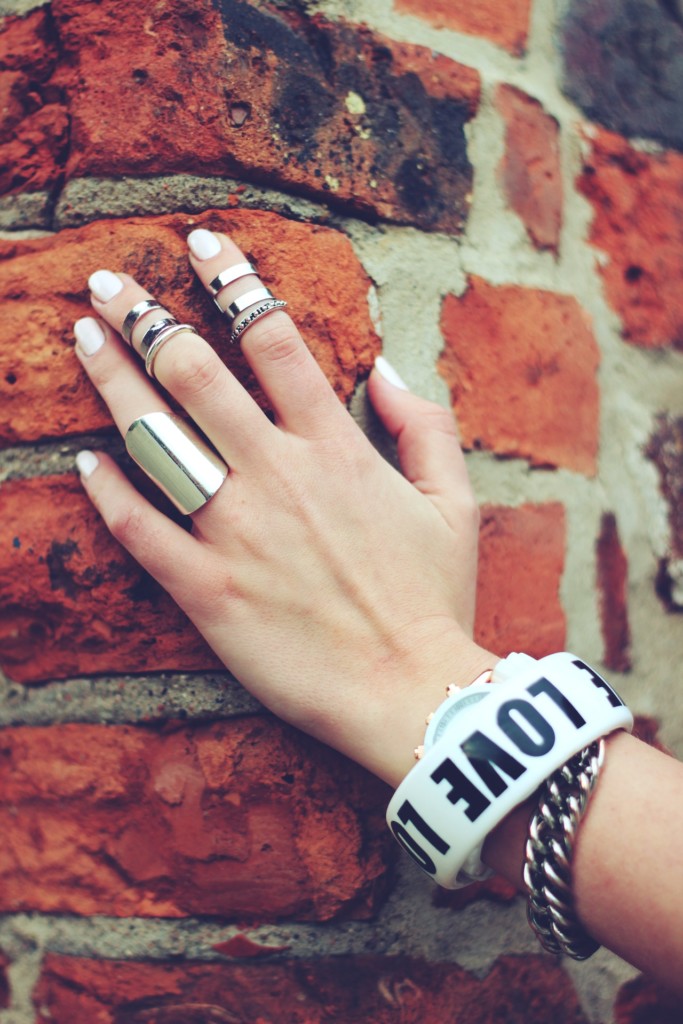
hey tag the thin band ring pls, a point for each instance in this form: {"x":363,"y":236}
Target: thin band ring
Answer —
{"x":136,"y":313}
{"x":269,"y":306}
{"x":229,"y":276}
{"x":243,"y":302}
{"x":153,"y":332}
{"x":160,"y":340}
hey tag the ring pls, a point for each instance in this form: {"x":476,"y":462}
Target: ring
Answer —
{"x":243,"y":302}
{"x":153,"y":332}
{"x":175,"y":457}
{"x":256,"y":314}
{"x":228,"y":276}
{"x":135,"y":314}
{"x":160,"y":339}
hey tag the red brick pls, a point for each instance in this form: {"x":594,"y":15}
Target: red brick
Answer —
{"x":530,"y":171}
{"x":505,"y":24}
{"x":328,"y":109}
{"x":637,"y":200}
{"x":643,"y":1001}
{"x":72,"y":601}
{"x":520,"y":571}
{"x":521,"y":365}
{"x":612,"y":569}
{"x":344,"y":989}
{"x":34,"y":121}
{"x":326,"y":290}
{"x":665,"y":449}
{"x":242,"y":819}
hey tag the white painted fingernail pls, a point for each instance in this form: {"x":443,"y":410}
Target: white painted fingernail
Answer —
{"x":387,"y":371}
{"x":86,"y":463}
{"x":204,"y":244}
{"x":104,"y":285}
{"x":89,"y":335}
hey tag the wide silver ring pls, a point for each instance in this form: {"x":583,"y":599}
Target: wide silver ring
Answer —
{"x":160,"y":340}
{"x":136,"y":313}
{"x":269,"y":306}
{"x":176,"y":458}
{"x":230,"y":275}
{"x":153,"y":332}
{"x":244,"y":302}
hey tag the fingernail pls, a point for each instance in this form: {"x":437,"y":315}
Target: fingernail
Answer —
{"x":89,"y":335}
{"x":104,"y":285}
{"x":387,"y":371}
{"x":86,"y":463}
{"x":204,"y":244}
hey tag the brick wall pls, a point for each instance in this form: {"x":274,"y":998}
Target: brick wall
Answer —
{"x":468,"y":187}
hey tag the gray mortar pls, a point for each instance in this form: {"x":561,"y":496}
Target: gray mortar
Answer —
{"x":26,"y":210}
{"x":86,"y":199}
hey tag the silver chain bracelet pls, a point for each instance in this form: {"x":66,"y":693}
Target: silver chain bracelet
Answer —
{"x":549,"y":850}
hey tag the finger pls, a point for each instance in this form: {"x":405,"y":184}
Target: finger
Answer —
{"x":188,"y":368}
{"x":162,"y":547}
{"x":427,"y":442}
{"x":300,"y":394}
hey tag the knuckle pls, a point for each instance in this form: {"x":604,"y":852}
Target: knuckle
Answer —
{"x":127,"y":525}
{"x":440,"y":419}
{"x":277,"y":342}
{"x":191,"y":371}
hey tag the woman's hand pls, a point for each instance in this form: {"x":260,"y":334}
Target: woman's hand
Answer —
{"x":336,"y":590}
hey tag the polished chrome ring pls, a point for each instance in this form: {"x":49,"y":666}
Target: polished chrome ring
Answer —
{"x":176,"y":458}
{"x":153,"y":332}
{"x":229,"y":276}
{"x":160,"y":340}
{"x":139,"y":310}
{"x":243,"y":302}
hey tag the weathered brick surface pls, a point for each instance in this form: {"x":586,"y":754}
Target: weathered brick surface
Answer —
{"x":521,"y":365}
{"x":505,"y":24}
{"x":343,"y":990}
{"x":665,"y":448}
{"x":244,"y":819}
{"x":327,"y":295}
{"x":530,"y":170}
{"x":34,"y":124}
{"x":637,"y":201}
{"x":612,"y":567}
{"x":642,"y":1001}
{"x":72,"y":602}
{"x":262,"y":92}
{"x":623,"y":65}
{"x":521,"y":564}
{"x":4,"y":982}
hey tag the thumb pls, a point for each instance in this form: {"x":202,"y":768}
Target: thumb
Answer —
{"x":427,"y":443}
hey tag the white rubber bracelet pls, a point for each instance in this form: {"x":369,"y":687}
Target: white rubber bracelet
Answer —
{"x":494,"y":755}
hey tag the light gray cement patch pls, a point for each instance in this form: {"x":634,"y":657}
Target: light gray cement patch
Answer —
{"x":50,"y":457}
{"x":118,"y":700}
{"x":86,"y":199}
{"x":25,"y":210}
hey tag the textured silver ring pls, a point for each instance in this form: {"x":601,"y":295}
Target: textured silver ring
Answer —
{"x":136,"y":313}
{"x":160,"y":340}
{"x":176,"y":458}
{"x":242,"y":303}
{"x":266,"y":307}
{"x":153,"y":332}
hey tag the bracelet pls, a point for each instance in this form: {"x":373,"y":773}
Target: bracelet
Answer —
{"x":548,"y":856}
{"x":493,"y":754}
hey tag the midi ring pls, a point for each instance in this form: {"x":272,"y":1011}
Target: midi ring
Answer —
{"x":176,"y":458}
{"x":266,"y":307}
{"x":229,"y":276}
{"x":243,"y":302}
{"x":160,"y":339}
{"x":153,"y":332}
{"x":136,"y":313}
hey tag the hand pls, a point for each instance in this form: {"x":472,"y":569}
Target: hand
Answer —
{"x":338,"y":591}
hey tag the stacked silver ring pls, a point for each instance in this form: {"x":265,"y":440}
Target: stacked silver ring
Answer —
{"x":251,"y":306}
{"x":156,"y":335}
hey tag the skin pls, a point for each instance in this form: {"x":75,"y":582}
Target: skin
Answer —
{"x":341,"y":592}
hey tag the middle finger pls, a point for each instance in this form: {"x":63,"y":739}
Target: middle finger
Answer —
{"x":188,"y":368}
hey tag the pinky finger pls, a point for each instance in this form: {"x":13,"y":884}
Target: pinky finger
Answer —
{"x":163,"y":548}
